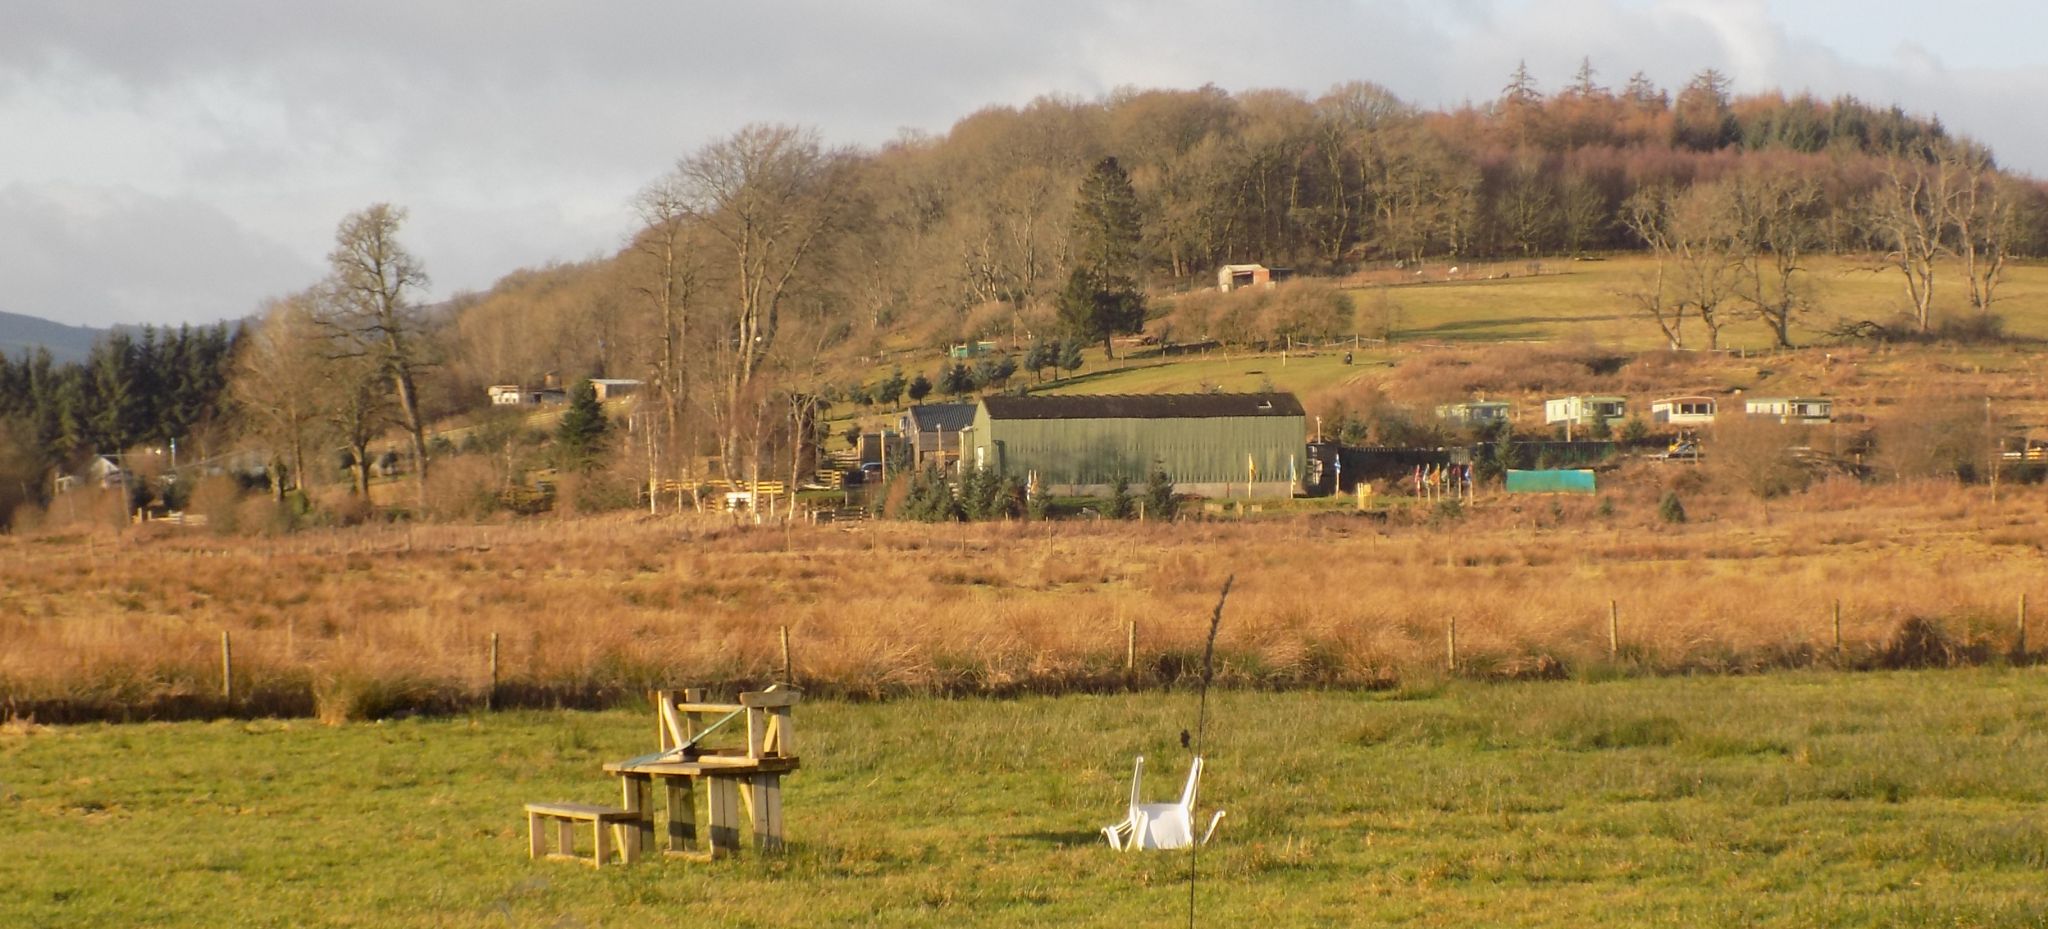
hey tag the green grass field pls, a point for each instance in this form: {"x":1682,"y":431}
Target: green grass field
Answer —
{"x":1569,"y":303}
{"x":1803,"y":799}
{"x":1581,"y":301}
{"x":1233,"y":372}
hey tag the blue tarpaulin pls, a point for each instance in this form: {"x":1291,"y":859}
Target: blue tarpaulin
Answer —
{"x":1550,"y":482}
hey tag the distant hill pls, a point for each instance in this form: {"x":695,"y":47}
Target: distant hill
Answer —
{"x":21,"y":334}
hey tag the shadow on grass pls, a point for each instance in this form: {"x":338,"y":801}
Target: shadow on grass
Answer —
{"x":1497,"y":327}
{"x":1101,"y":373}
{"x":1060,"y":838}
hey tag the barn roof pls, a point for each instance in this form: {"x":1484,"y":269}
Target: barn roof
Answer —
{"x":952,"y":417}
{"x":1143,"y":406}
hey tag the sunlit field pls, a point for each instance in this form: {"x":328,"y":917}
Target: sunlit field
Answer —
{"x":1796,"y":799}
{"x":1564,"y":300}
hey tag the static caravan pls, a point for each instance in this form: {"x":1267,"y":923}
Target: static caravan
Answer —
{"x":1683,"y":411}
{"x":1475,"y":413}
{"x":1585,"y":410}
{"x":1792,"y":409}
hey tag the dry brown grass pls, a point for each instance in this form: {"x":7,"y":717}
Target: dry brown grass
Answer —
{"x":377,"y":619}
{"x":1871,"y":385}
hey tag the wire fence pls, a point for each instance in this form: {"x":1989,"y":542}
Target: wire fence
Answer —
{"x":279,"y":672}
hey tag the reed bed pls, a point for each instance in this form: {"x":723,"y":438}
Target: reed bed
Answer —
{"x":376,"y":621}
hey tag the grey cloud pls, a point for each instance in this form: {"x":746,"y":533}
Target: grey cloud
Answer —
{"x":515,"y":132}
{"x":97,"y":257}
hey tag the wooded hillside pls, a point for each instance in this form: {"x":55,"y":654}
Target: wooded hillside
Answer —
{"x":770,"y":269}
{"x":938,"y":238}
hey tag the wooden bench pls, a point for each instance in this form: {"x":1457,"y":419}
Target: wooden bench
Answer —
{"x":613,"y":828}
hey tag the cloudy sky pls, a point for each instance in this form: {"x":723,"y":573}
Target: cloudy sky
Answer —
{"x":178,"y":162}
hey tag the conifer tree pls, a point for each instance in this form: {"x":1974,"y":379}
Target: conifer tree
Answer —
{"x":1101,"y":298}
{"x":580,"y":436}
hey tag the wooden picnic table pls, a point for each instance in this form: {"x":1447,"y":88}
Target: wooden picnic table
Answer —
{"x":739,"y":779}
{"x":733,"y":785}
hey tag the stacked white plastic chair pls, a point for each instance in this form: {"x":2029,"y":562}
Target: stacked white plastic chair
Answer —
{"x":1160,"y":825}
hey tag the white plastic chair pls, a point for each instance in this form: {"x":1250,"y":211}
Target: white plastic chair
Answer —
{"x":1160,"y":825}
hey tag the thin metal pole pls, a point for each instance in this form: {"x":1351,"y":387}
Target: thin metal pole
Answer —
{"x":1202,"y":725}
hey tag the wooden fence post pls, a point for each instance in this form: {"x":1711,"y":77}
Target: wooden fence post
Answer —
{"x":1838,"y":630}
{"x":1130,"y":647}
{"x":227,"y":668}
{"x":1451,"y":645}
{"x":491,"y":695}
{"x":2020,"y":646}
{"x":1613,"y":630}
{"x":788,"y":672}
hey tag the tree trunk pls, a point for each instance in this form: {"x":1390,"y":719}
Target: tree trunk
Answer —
{"x":359,"y":468}
{"x":408,"y":404}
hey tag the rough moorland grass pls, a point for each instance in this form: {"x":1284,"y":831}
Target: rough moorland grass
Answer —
{"x":1789,"y":800}
{"x":365,"y":623}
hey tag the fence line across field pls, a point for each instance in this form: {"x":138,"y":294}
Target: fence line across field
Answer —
{"x":787,"y":641}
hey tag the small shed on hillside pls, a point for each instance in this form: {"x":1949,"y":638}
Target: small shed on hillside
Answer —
{"x":612,"y":388}
{"x":1212,"y":445}
{"x":934,"y":431}
{"x":1232,"y":277}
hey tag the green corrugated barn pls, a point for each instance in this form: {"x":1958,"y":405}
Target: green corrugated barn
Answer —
{"x":1212,"y":445}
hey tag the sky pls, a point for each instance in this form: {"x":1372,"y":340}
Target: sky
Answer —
{"x":180,"y":162}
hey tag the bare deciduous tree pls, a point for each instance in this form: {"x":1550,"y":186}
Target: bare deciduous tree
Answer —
{"x":1910,"y":209}
{"x":1776,"y":221}
{"x":279,"y":386}
{"x":770,"y":196}
{"x":372,"y":285}
{"x":358,"y":405}
{"x":670,"y":284}
{"x":1985,"y":222}
{"x":1757,"y":454}
{"x":1689,"y":233}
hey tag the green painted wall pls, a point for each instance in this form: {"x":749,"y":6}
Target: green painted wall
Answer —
{"x":1212,"y":450}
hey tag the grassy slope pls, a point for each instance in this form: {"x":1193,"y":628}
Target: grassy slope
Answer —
{"x":1789,"y":800}
{"x":1578,"y":303}
{"x":1447,"y":324}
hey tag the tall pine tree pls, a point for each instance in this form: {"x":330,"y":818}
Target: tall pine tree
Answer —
{"x":1101,"y":298}
{"x":580,"y":437}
